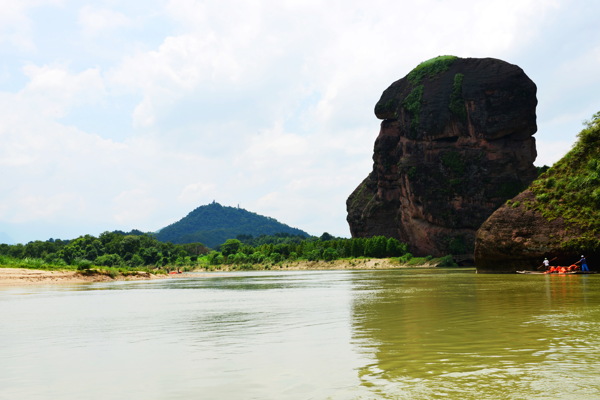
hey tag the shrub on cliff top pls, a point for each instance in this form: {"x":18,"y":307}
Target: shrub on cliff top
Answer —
{"x":430,"y":68}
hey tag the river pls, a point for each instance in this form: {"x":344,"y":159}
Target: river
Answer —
{"x":383,"y":334}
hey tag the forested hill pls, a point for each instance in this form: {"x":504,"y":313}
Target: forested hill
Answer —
{"x":213,"y":224}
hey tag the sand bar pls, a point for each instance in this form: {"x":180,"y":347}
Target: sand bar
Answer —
{"x":23,"y":276}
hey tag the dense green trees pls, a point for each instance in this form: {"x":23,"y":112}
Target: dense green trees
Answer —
{"x":110,"y":249}
{"x":231,"y":246}
{"x":119,"y":249}
{"x":277,"y":248}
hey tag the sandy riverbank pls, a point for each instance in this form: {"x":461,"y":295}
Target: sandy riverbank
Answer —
{"x":22,"y":276}
{"x":359,"y":263}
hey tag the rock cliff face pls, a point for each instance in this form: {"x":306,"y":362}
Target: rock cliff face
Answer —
{"x":455,"y":143}
{"x":557,"y":217}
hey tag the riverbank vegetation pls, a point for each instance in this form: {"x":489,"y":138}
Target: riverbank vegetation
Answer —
{"x":118,"y":253}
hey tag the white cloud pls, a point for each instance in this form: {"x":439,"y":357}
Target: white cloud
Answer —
{"x":565,"y":127}
{"x":95,"y":21}
{"x":551,"y":151}
{"x":133,"y":205}
{"x":268,"y":104}
{"x":15,"y":24}
{"x":178,"y":67}
{"x":579,"y":70}
{"x":52,"y":90}
{"x":195,"y":193}
{"x":45,"y":207}
{"x":274,"y":148}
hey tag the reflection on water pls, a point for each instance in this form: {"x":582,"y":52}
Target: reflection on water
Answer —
{"x":478,"y":336}
{"x":401,"y":334}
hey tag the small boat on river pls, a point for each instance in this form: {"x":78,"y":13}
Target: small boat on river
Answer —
{"x":557,"y":273}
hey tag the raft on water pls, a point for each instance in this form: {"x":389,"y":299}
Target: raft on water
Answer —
{"x":559,"y":273}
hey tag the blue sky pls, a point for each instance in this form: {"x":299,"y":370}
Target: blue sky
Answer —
{"x":123,"y":115}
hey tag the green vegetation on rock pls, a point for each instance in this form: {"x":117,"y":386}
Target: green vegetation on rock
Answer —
{"x":389,"y":106}
{"x":413,"y":101}
{"x":430,"y":68}
{"x":410,"y":97}
{"x":457,"y":103}
{"x":412,"y":104}
{"x":570,"y":189}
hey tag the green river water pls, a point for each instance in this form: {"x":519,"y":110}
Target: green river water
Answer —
{"x":384,"y":334}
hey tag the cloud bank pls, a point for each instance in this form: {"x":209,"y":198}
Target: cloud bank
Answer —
{"x":122,"y":116}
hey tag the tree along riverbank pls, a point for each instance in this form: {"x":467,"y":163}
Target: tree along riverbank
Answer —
{"x":116,"y":255}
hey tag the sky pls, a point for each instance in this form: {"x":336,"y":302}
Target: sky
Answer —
{"x":128,"y":115}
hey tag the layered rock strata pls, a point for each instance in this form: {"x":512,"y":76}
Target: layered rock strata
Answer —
{"x":455,"y":143}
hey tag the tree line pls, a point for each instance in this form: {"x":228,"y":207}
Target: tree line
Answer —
{"x":110,"y":249}
{"x":138,"y":249}
{"x":285,"y":247}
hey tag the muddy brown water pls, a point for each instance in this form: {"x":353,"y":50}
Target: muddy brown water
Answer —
{"x":378,"y":334}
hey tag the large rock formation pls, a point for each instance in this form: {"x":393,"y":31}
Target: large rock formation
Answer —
{"x":557,"y":217}
{"x":455,"y":143}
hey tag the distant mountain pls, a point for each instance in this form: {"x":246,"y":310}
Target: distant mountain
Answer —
{"x":213,"y":224}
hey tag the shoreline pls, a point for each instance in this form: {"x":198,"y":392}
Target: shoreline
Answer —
{"x":25,"y":277}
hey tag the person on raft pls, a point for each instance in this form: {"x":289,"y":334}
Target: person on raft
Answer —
{"x":583,"y":262}
{"x":546,"y":263}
